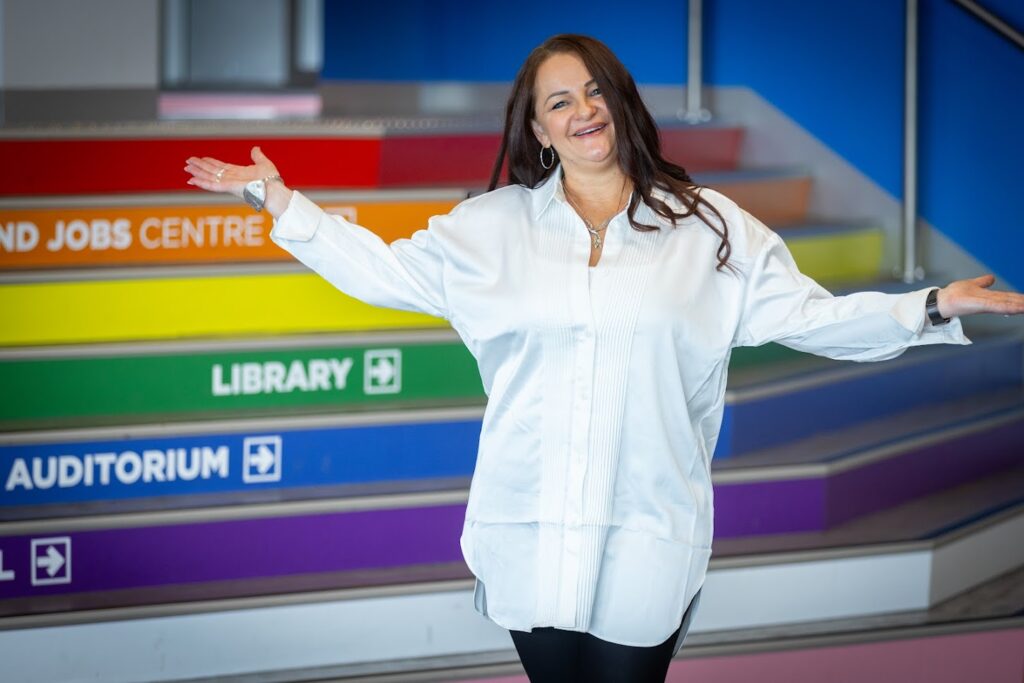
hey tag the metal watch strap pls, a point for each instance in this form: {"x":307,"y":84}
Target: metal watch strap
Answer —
{"x":931,"y":305}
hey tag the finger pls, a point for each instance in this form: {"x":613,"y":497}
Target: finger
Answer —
{"x":1006,"y":303}
{"x":206,"y":164}
{"x":209,"y":185}
{"x":210,"y":171}
{"x":1013,"y":303}
{"x":985,"y":280}
{"x":257,"y":155}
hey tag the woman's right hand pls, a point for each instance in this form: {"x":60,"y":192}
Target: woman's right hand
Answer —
{"x":215,"y":175}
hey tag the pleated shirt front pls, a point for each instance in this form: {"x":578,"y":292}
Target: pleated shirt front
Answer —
{"x":591,"y":506}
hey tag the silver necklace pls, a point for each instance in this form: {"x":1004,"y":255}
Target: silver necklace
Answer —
{"x":595,"y":233}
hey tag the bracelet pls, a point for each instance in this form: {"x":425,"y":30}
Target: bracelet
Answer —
{"x":931,"y":305}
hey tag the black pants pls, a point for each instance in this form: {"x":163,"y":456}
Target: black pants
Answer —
{"x":551,"y":655}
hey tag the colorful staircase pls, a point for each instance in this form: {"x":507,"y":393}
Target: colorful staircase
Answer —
{"x":197,"y":435}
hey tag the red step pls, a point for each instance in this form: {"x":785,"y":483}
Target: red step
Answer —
{"x":112,"y":164}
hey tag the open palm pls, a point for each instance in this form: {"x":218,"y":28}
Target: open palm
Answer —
{"x":967,"y":297}
{"x":215,"y":175}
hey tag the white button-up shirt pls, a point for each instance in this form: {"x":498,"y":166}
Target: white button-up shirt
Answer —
{"x":591,"y":506}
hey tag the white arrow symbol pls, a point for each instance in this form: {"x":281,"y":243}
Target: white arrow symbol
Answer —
{"x":383,"y":371}
{"x":263,"y":458}
{"x":53,"y":561}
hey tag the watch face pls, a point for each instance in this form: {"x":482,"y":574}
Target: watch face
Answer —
{"x":255,"y":194}
{"x":258,"y":189}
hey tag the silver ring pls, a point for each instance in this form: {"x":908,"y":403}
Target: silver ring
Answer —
{"x":220,"y":173}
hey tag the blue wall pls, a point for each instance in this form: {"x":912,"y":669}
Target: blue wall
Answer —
{"x":438,"y":40}
{"x":844,"y":84}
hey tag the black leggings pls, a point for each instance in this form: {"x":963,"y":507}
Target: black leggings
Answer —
{"x":551,"y":655}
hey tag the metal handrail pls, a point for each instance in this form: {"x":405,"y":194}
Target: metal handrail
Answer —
{"x":992,"y":21}
{"x":912,"y":272}
{"x":694,"y":112}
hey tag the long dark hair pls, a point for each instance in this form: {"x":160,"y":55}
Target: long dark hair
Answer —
{"x":636,"y":137}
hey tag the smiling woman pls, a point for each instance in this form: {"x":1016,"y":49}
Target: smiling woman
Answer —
{"x":589,"y":520}
{"x":573,"y":101}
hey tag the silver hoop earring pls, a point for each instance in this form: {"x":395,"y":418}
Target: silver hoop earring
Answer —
{"x":550,"y":163}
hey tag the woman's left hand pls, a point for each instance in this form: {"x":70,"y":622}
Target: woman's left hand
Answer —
{"x":967,"y":297}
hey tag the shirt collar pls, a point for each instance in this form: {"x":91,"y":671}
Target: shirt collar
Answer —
{"x":547,"y":191}
{"x":551,"y":189}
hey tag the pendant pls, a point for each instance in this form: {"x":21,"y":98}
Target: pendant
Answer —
{"x":597,"y":240}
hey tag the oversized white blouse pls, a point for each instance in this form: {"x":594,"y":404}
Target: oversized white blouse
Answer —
{"x":590,"y":507}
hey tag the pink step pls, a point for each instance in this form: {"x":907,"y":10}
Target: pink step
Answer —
{"x":990,"y":656}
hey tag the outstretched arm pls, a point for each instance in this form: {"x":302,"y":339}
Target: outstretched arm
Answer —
{"x":406,"y":274}
{"x":783,"y":305}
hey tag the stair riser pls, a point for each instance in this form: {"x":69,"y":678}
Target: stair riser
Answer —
{"x":774,"y":420}
{"x":820,"y":503}
{"x":349,"y":461}
{"x":152,"y":556}
{"x":126,"y":309}
{"x":187,"y":307}
{"x":230,"y":467}
{"x":211,"y":384}
{"x":51,"y":166}
{"x":101,"y":389}
{"x":893,"y":481}
{"x":168,"y":232}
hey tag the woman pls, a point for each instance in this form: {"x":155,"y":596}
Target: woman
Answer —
{"x":589,"y":521}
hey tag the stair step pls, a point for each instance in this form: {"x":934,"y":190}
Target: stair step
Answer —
{"x":825,"y":481}
{"x":911,"y":571}
{"x":185,"y":227}
{"x":90,"y":385}
{"x":377,"y":153}
{"x":164,"y":307}
{"x":121,"y":384}
{"x":761,"y":404}
{"x":813,"y":484}
{"x":282,"y":544}
{"x":778,"y":197}
{"x":922,"y":519}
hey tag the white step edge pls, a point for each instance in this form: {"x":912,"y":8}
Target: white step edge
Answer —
{"x":442,"y":621}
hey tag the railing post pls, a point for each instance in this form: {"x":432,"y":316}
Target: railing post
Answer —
{"x":694,"y":112}
{"x":912,"y":272}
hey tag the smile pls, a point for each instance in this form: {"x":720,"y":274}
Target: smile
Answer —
{"x":590,"y":131}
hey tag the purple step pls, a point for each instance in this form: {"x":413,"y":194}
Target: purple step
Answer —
{"x":167,"y":555}
{"x":124,"y":561}
{"x":847,"y":482}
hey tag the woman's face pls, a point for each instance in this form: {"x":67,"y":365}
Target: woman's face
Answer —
{"x":571,"y":115}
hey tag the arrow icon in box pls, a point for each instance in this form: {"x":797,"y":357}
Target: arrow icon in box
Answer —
{"x":382,"y":371}
{"x":53,"y":557}
{"x":262,"y":459}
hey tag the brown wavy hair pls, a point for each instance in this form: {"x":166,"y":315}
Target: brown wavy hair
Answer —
{"x":636,"y":137}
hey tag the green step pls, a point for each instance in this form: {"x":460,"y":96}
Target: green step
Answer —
{"x":122,"y":384}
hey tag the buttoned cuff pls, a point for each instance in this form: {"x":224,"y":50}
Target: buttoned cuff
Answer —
{"x":909,"y":311}
{"x":299,"y":221}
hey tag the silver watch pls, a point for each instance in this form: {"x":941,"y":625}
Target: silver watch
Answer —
{"x":255,"y":192}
